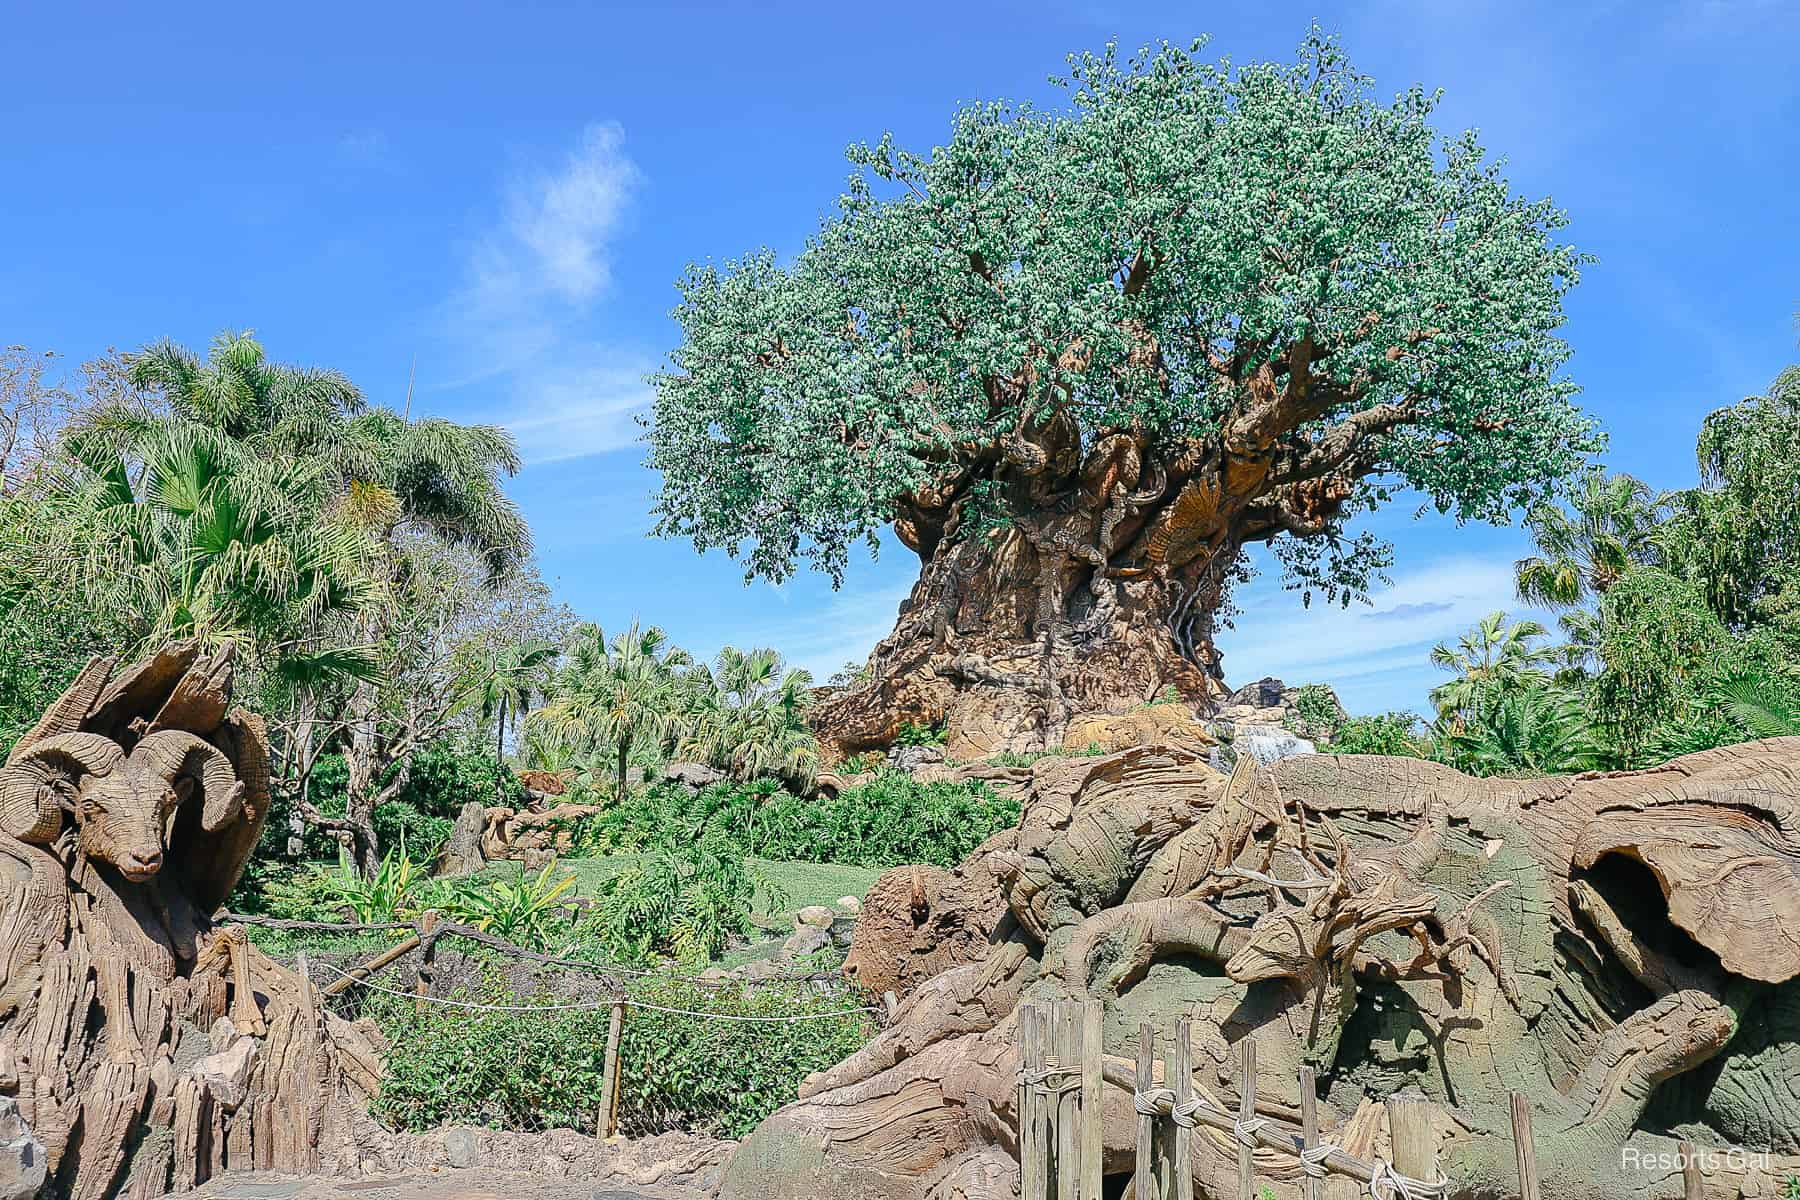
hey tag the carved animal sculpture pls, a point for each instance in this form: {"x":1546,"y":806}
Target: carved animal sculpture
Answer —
{"x":122,"y":804}
{"x":126,"y":817}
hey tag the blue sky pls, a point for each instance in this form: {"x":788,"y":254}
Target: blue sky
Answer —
{"x":507,"y":193}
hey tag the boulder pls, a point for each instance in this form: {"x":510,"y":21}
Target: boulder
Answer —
{"x":226,"y":1074}
{"x":817,"y":915}
{"x":692,"y":775}
{"x":849,"y":904}
{"x":462,"y":853}
{"x":1151,"y":725}
{"x":808,"y":939}
{"x":911,"y":758}
{"x":23,"y":1164}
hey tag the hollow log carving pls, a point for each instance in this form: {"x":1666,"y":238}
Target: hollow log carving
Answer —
{"x":147,"y":1046}
{"x":1619,"y":948}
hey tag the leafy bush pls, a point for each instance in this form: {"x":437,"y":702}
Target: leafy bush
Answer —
{"x":915,"y":733}
{"x":687,"y":900}
{"x":535,"y":1070}
{"x":525,"y":911}
{"x":1388,"y":733}
{"x":1316,"y":710}
{"x":890,"y":820}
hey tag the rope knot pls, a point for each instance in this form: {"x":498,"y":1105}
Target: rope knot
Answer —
{"x":1246,"y":1131}
{"x":1149,"y":1103}
{"x":1312,"y":1159}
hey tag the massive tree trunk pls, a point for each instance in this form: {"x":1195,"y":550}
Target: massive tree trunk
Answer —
{"x":1057,"y":582}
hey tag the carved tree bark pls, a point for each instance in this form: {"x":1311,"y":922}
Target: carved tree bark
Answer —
{"x":1101,"y":588}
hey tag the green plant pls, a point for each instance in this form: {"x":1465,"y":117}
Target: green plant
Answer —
{"x":1316,"y":710}
{"x":916,"y":733}
{"x":1394,"y":733}
{"x":398,"y":890}
{"x":528,"y":1070}
{"x":688,"y":899}
{"x":1488,"y":660}
{"x":523,"y":910}
{"x":1526,"y":730}
{"x":1169,"y":695}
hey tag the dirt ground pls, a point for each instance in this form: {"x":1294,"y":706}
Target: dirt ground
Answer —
{"x":439,"y":1184}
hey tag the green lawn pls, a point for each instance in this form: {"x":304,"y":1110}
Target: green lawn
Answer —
{"x":802,"y":883}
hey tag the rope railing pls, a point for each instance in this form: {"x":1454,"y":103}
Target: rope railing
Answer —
{"x":426,"y":933}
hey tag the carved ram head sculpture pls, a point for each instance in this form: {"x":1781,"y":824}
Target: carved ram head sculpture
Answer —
{"x":122,"y":805}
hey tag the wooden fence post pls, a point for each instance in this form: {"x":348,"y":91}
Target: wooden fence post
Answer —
{"x":1524,"y":1148}
{"x":427,"y":960}
{"x":1691,"y":1188}
{"x":1092,"y":1101}
{"x":1148,"y":1186}
{"x":1178,"y":1073}
{"x":1414,"y":1135}
{"x":1064,"y":1103}
{"x":606,"y":1121}
{"x":1309,"y":1123}
{"x":1246,"y":1114}
{"x":1033,"y":1158}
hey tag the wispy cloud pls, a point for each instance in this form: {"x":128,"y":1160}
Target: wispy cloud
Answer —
{"x":530,"y":283}
{"x":824,"y":637}
{"x":1375,"y":655}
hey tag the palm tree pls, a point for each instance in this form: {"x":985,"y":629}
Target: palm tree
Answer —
{"x":1753,"y":701}
{"x":1538,"y":729}
{"x":509,"y":681}
{"x":1492,"y":658}
{"x":350,"y":472}
{"x":621,"y":694}
{"x":1584,"y":551}
{"x":748,"y":717}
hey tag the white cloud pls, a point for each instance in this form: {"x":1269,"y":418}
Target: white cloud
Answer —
{"x":1374,"y":654}
{"x":517,"y":323}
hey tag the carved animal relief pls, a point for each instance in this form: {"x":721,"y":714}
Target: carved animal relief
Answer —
{"x":1619,"y":949}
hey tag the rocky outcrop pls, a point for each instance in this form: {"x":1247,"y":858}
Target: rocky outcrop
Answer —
{"x":1149,"y":725}
{"x":533,"y":838}
{"x":22,"y":1162}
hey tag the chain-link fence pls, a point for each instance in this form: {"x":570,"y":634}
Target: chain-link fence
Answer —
{"x":481,"y":1032}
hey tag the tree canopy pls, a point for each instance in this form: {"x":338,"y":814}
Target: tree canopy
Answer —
{"x":1262,"y":268}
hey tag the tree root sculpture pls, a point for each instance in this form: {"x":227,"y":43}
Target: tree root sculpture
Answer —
{"x":147,"y":1047}
{"x":1618,"y":948}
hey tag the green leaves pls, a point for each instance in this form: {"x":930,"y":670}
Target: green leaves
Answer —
{"x":1128,"y":261}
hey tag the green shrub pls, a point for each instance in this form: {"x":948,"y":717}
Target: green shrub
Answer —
{"x":534,"y":1070}
{"x":891,"y":820}
{"x":1388,"y":733}
{"x":916,"y":733}
{"x":687,"y":900}
{"x":526,"y":911}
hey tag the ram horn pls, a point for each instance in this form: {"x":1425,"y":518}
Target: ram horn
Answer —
{"x":172,"y":753}
{"x":29,"y":808}
{"x":65,"y":714}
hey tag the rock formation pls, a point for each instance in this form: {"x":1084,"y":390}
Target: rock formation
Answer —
{"x":146,"y":1046}
{"x":1622,"y":949}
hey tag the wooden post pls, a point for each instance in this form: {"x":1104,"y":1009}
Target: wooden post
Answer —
{"x":1524,"y":1148}
{"x":1032,"y":1149}
{"x":1092,"y":1104}
{"x":1062,"y":1103}
{"x":607,"y":1119}
{"x":427,"y":960}
{"x":1179,"y":1072}
{"x":1246,"y":1114}
{"x":356,"y":974}
{"x":304,"y":970}
{"x":1309,"y":1123}
{"x":1146,"y":1141}
{"x":1414,"y":1135}
{"x":1691,"y":1188}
